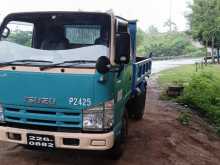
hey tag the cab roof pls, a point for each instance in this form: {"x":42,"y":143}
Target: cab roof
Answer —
{"x":25,"y":16}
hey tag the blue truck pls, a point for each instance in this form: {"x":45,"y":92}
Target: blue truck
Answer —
{"x":70,"y":80}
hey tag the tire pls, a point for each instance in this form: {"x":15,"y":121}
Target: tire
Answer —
{"x":136,"y":106}
{"x":117,"y":150}
{"x":25,"y":146}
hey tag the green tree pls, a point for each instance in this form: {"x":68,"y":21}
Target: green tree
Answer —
{"x":140,"y":36}
{"x":21,"y":37}
{"x":152,"y":30}
{"x":167,"y":44}
{"x":171,"y":25}
{"x":205,"y":20}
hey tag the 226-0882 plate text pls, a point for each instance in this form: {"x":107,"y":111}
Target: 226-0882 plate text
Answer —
{"x":43,"y":141}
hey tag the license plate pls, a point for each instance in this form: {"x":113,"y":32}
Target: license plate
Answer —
{"x":44,"y":141}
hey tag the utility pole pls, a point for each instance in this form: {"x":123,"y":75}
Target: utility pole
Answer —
{"x":170,"y":14}
{"x":213,"y":47}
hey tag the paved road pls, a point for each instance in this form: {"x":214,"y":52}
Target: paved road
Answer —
{"x":167,"y":64}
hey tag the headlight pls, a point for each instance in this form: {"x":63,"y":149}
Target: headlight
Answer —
{"x":1,"y":114}
{"x":99,"y":117}
{"x":92,"y":118}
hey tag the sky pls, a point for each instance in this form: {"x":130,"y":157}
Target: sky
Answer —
{"x":147,"y":12}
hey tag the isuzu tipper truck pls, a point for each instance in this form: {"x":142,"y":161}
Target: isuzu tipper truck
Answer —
{"x":70,"y":80}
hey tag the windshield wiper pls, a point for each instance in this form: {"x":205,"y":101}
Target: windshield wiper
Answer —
{"x":24,"y":61}
{"x":68,"y":62}
{"x":78,"y":61}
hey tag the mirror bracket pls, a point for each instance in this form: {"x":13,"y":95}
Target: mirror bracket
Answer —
{"x":7,"y":32}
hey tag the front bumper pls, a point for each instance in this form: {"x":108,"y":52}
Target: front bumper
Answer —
{"x":98,"y":141}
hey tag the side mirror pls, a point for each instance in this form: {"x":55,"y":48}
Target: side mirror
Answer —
{"x":151,"y":55}
{"x":123,"y":46}
{"x":102,"y":65}
{"x":5,"y":32}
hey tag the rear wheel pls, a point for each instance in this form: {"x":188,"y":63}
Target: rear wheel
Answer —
{"x":136,"y":106}
{"x":117,"y":150}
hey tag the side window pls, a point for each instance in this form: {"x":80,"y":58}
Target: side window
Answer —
{"x":82,"y":34}
{"x":20,"y":33}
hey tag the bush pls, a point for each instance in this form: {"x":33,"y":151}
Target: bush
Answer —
{"x":203,"y":93}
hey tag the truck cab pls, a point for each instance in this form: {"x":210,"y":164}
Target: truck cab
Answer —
{"x":70,"y":80}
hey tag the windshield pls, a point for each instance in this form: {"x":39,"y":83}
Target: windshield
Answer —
{"x":55,"y":37}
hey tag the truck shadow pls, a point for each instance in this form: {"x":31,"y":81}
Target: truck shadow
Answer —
{"x":55,"y":157}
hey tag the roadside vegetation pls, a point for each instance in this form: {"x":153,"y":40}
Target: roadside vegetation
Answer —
{"x":201,"y":89}
{"x":163,"y":45}
{"x":204,"y":21}
{"x":202,"y":83}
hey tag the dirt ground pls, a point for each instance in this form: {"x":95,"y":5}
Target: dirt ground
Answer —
{"x":159,"y":139}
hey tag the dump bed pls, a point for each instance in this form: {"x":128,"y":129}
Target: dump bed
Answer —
{"x":141,"y":70}
{"x":141,"y":66}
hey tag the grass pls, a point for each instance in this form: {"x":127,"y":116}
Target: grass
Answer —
{"x":201,"y":90}
{"x":183,"y":74}
{"x":185,"y":118}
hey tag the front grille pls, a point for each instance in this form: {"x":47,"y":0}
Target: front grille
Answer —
{"x":60,"y":118}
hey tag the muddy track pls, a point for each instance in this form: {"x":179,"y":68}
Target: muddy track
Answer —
{"x":159,"y":139}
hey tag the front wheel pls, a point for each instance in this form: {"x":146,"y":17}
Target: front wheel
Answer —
{"x":136,"y":106}
{"x":117,"y":150}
